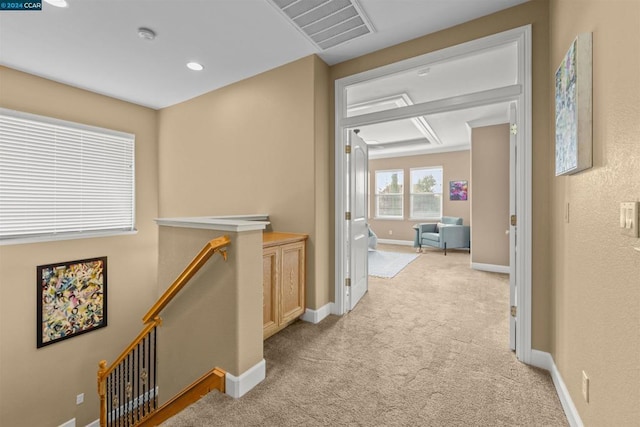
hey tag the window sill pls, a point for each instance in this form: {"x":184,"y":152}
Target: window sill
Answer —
{"x":66,"y":236}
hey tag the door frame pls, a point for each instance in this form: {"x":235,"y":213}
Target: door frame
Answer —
{"x":521,"y":93}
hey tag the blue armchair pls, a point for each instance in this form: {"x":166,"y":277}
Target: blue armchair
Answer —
{"x":448,"y":234}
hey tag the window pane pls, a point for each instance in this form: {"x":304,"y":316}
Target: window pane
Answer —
{"x":426,"y":205}
{"x":389,"y":193}
{"x":426,"y":193}
{"x":389,"y":205}
{"x":426,"y":180}
{"x":389,"y":182}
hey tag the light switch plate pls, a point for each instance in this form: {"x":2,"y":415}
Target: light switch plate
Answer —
{"x":629,"y":218}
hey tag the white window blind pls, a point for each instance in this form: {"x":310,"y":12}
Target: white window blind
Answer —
{"x":62,"y":180}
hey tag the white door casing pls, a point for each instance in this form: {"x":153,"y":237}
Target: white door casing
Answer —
{"x":513,"y":229}
{"x":358,"y":161}
{"x":519,"y":92}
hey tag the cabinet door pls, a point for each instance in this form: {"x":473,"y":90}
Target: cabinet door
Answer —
{"x":270,"y":273}
{"x":292,"y":281}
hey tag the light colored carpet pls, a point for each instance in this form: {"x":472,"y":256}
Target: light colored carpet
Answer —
{"x":431,"y":350}
{"x":387,"y":264}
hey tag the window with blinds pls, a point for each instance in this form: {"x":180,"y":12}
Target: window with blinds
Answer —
{"x":61,"y":180}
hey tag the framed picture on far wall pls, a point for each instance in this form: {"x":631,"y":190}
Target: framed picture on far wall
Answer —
{"x":458,"y":190}
{"x":72,"y":299}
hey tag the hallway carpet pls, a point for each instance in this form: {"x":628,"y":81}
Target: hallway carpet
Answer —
{"x":431,"y":350}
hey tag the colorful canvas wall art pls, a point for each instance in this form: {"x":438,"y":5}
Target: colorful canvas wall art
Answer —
{"x":573,"y":99}
{"x":72,"y":299}
{"x":458,"y":190}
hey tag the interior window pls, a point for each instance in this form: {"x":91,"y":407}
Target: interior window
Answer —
{"x":426,"y":193}
{"x":389,"y":194}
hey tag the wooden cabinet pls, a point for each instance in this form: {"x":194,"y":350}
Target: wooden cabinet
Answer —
{"x":283,"y":280}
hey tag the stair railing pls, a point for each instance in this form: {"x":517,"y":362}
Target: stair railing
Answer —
{"x":128,"y":387}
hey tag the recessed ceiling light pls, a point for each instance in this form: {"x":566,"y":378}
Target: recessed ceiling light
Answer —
{"x":146,"y":33}
{"x":195,"y":66}
{"x":58,"y":3}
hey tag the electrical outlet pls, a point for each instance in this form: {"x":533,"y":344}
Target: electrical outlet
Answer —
{"x":585,"y":386}
{"x":80,"y":399}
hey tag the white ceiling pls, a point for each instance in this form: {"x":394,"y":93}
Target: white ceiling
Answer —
{"x":93,"y":44}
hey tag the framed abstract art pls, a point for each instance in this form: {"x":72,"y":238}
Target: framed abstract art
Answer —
{"x":573,"y":101}
{"x":458,"y":190}
{"x":72,"y":299}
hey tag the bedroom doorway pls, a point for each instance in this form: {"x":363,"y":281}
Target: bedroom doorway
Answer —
{"x":395,"y":108}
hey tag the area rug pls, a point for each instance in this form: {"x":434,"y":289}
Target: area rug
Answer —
{"x":388,"y":264}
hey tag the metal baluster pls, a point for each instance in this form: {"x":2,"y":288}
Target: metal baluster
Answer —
{"x":120,"y":393}
{"x":155,"y":366}
{"x":138,"y":373}
{"x":108,"y":391}
{"x":129,"y":390}
{"x":144,"y":380}
{"x":116,"y":396}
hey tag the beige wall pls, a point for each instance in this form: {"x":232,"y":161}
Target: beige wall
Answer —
{"x":455,"y":166}
{"x":596,"y":272}
{"x":257,"y":146}
{"x":536,"y":13}
{"x":490,"y":195}
{"x":53,"y":375}
{"x":224,"y":298}
{"x":323,"y":244}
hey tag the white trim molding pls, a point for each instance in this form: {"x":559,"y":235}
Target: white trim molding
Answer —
{"x":544,"y":360}
{"x":239,"y":386}
{"x":336,"y":309}
{"x":316,"y":316}
{"x":95,"y":423}
{"x":493,"y":268}
{"x":70,"y":423}
{"x":245,"y":223}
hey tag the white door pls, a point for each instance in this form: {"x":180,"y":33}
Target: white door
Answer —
{"x":358,"y":228}
{"x":513,"y":228}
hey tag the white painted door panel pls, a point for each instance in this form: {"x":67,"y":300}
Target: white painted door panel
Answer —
{"x":359,"y":230}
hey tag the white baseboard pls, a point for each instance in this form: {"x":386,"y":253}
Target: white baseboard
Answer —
{"x":239,"y":386}
{"x":334,"y":309}
{"x":316,"y":316}
{"x":490,"y":267}
{"x":95,"y":423}
{"x":70,"y":423}
{"x":396,"y":242}
{"x":544,"y":360}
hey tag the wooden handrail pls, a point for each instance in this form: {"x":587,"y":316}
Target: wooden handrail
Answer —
{"x":195,"y":265}
{"x":152,"y":319}
{"x":147,"y":328}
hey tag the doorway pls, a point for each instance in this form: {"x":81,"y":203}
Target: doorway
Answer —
{"x":520,"y":93}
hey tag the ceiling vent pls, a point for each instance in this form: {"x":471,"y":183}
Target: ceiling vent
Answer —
{"x":327,"y":23}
